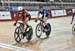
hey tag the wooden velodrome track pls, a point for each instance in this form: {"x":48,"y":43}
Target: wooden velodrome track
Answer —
{"x":61,"y":38}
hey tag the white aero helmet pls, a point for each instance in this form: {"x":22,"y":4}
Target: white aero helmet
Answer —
{"x":20,"y":8}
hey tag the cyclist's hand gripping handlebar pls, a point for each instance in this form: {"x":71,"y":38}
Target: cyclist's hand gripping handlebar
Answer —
{"x":36,"y":19}
{"x":15,"y":24}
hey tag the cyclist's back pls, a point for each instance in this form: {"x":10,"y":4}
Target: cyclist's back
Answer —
{"x":23,"y":14}
{"x":44,"y":13}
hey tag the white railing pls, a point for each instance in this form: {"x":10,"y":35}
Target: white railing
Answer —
{"x":65,"y":3}
{"x":25,"y":2}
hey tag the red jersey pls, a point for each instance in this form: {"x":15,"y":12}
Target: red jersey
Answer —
{"x":22,"y":15}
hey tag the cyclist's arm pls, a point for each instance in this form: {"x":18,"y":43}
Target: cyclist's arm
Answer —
{"x":44,"y":14}
{"x":17,"y":17}
{"x":29,"y":17}
{"x":38,"y":14}
{"x":16,"y":20}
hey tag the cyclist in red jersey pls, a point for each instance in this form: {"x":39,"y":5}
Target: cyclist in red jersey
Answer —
{"x":24,"y":15}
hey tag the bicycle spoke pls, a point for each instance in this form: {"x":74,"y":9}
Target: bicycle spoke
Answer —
{"x":17,"y":36}
{"x":38,"y":30}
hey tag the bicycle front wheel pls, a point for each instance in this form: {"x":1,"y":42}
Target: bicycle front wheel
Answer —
{"x":17,"y":34}
{"x":38,"y":30}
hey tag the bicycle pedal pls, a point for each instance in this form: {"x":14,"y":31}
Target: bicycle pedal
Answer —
{"x":74,"y":29}
{"x":45,"y":30}
{"x":16,"y":32}
{"x":38,"y":29}
{"x":22,"y":32}
{"x":23,"y":37}
{"x":27,"y":29}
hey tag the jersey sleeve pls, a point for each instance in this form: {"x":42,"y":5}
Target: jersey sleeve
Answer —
{"x":17,"y":16}
{"x":39,"y":12}
{"x":45,"y":12}
{"x":26,"y":12}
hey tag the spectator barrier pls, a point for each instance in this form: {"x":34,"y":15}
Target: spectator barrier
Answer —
{"x":6,"y":15}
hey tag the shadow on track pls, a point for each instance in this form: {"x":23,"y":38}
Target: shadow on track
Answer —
{"x":33,"y":42}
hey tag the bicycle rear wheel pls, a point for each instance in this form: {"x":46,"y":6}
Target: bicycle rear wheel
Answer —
{"x":73,"y":29}
{"x":48,"y":27}
{"x":29,"y":34}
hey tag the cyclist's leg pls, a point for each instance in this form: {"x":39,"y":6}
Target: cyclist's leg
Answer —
{"x":72,"y":17}
{"x":22,"y":27}
{"x":44,"y":21}
{"x":26,"y":24}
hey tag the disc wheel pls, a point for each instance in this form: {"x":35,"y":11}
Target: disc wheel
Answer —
{"x":48,"y":27}
{"x":29,"y":34}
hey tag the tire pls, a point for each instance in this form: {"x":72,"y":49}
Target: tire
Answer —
{"x":73,"y":29}
{"x":29,"y":34}
{"x":39,"y":26}
{"x":17,"y":35}
{"x":48,"y":26}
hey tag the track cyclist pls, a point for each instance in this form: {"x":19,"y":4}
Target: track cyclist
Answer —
{"x":44,"y":15}
{"x":24,"y":15}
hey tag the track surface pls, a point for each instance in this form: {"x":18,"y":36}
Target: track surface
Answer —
{"x":61,"y":38}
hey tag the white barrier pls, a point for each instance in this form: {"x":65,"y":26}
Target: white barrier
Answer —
{"x":5,"y":15}
{"x":54,"y":13}
{"x":73,"y":10}
{"x":33,"y":14}
{"x":58,"y":13}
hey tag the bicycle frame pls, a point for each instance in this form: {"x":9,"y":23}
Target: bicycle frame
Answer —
{"x":42,"y":23}
{"x":20,"y":24}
